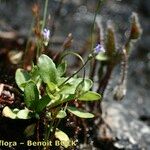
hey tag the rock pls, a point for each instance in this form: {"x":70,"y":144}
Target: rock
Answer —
{"x":144,"y":5}
{"x":130,"y":133}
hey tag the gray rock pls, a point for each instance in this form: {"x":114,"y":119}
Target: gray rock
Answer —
{"x":129,"y":131}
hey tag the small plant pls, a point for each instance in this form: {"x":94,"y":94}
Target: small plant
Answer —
{"x":47,"y":91}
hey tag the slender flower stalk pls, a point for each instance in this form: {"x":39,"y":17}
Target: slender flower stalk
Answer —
{"x":45,"y":14}
{"x":98,"y":49}
{"x":75,"y":72}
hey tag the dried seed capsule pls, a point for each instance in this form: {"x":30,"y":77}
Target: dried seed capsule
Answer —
{"x":110,"y":39}
{"x":120,"y":89}
{"x":119,"y":92}
{"x":136,"y":30}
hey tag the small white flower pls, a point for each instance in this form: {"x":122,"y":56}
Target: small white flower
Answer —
{"x":46,"y":36}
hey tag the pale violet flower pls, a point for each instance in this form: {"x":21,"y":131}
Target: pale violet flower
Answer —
{"x":46,"y":36}
{"x":98,"y":49}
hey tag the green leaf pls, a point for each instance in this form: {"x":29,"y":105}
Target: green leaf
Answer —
{"x":42,"y":103}
{"x":47,"y":69}
{"x":23,"y":114}
{"x":35,"y":76}
{"x":87,"y":85}
{"x":68,"y":89}
{"x":62,"y":68}
{"x":15,"y":113}
{"x":21,"y":78}
{"x":61,"y":101}
{"x":84,"y":86}
{"x":61,"y":114}
{"x":90,"y":96}
{"x":51,"y":87}
{"x":34,"y":73}
{"x":63,"y":137}
{"x":31,"y":95}
{"x":7,"y":112}
{"x":29,"y":131}
{"x":80,"y":113}
{"x":74,"y":85}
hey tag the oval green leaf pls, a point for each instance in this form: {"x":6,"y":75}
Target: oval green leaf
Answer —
{"x":61,"y":114}
{"x":83,"y":86}
{"x":29,"y":131}
{"x":7,"y":112}
{"x":21,"y":77}
{"x":23,"y":114}
{"x":80,"y":113}
{"x":90,"y":96}
{"x":42,"y":103}
{"x":47,"y":69}
{"x":31,"y":95}
{"x":87,"y":85}
{"x":63,"y":137}
{"x":62,"y":68}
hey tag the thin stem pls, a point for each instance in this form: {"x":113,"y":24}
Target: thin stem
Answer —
{"x":93,"y":69}
{"x":92,"y":29}
{"x":39,"y":43}
{"x":77,"y":55}
{"x":104,"y":81}
{"x":71,"y":53}
{"x":28,"y":40}
{"x":75,"y":73}
{"x":38,"y":134}
{"x":124,"y":67}
{"x":53,"y":125}
{"x":49,"y":130}
{"x":54,"y":128}
{"x":45,"y":14}
{"x":93,"y":24}
{"x":58,"y":121}
{"x":39,"y":47}
{"x":65,"y":107}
